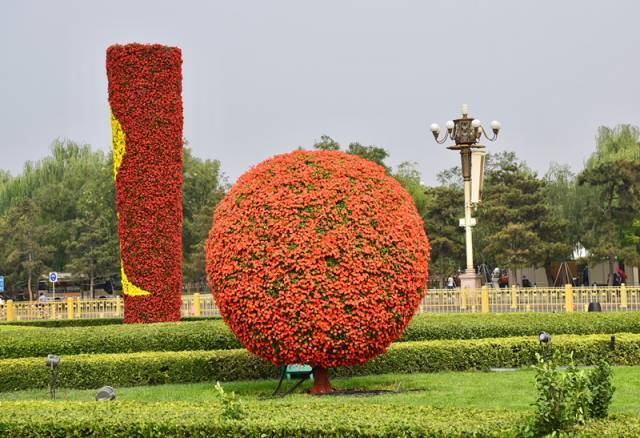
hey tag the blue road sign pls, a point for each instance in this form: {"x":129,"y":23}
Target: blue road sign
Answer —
{"x":1,"y":283}
{"x":53,"y":277}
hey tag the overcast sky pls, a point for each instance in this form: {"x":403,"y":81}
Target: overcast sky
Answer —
{"x":264,"y":77}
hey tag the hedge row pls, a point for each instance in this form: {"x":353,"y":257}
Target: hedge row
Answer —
{"x":498,"y":325}
{"x":181,"y":336}
{"x":317,"y":419}
{"x":57,"y":323}
{"x":92,"y":371}
{"x":50,"y":323}
{"x":214,"y":334}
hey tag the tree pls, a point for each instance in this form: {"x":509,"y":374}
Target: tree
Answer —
{"x":51,"y":188}
{"x":514,"y":195}
{"x":446,"y":238}
{"x":408,"y":175}
{"x":93,"y":249}
{"x":611,"y":175}
{"x":613,"y":214}
{"x":203,"y":187}
{"x":561,"y":193}
{"x":326,"y":143}
{"x":371,"y":153}
{"x":621,"y":143}
{"x":451,"y":177}
{"x":376,"y":154}
{"x":26,"y":253}
{"x":53,"y":184}
{"x":4,"y":178}
{"x":515,"y":246}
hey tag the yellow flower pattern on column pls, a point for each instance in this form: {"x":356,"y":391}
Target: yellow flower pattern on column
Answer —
{"x":119,"y":144}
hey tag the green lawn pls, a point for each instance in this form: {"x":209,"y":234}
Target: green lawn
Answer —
{"x":504,"y":390}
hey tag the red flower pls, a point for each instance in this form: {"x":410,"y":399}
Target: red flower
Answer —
{"x":317,"y":257}
{"x":145,"y":85}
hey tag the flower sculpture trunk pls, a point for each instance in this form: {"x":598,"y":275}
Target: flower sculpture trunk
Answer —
{"x":317,"y":257}
{"x":145,"y":85}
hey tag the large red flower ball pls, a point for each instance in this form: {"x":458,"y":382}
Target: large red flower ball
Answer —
{"x":317,"y":257}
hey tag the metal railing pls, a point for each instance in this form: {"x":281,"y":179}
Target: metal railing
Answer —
{"x":538,"y":299}
{"x":483,"y":300}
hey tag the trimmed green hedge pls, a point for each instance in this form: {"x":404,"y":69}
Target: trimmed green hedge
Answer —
{"x":618,"y":426}
{"x":264,"y":419}
{"x":317,"y":419}
{"x":92,"y":371}
{"x":180,"y":336}
{"x":499,"y":325}
{"x":214,"y":334}
{"x":57,"y":323}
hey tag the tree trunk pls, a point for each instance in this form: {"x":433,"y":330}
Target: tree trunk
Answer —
{"x":611,"y":260}
{"x":29,"y":280}
{"x":321,"y":383}
{"x":91,"y":290}
{"x":547,"y":270}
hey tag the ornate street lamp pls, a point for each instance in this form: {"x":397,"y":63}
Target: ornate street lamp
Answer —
{"x":466,"y":132}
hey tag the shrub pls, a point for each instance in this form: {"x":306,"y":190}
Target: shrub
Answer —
{"x":601,"y":389}
{"x":563,"y":396}
{"x":92,"y":371}
{"x":568,"y":398}
{"x":232,"y":406}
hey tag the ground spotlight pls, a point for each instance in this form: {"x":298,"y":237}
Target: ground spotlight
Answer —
{"x":544,"y":338}
{"x":52,"y":362}
{"x":106,"y":393}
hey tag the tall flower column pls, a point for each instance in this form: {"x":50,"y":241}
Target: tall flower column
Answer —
{"x":145,"y":96}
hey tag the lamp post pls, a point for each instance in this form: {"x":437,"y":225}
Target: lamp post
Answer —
{"x":466,"y":132}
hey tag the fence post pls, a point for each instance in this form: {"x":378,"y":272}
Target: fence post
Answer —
{"x":78,"y":313}
{"x":117,"y":307}
{"x":11,"y":311}
{"x":52,"y":309}
{"x":196,"y":305}
{"x":568,"y":298}
{"x":463,"y":298}
{"x":485,"y":299}
{"x":514,"y":297}
{"x":623,"y":296}
{"x":69,"y":308}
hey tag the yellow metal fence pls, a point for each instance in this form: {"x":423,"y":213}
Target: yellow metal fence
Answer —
{"x":483,"y":300}
{"x":515,"y":299}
